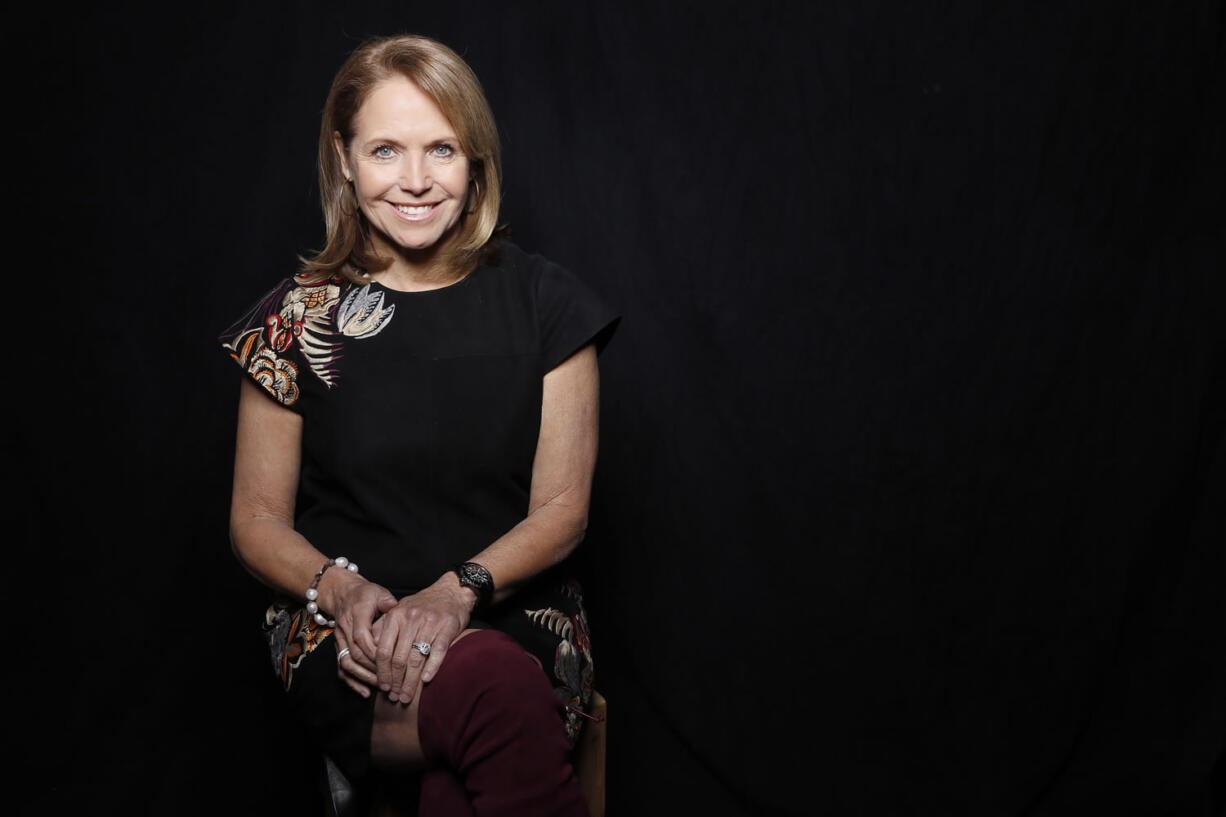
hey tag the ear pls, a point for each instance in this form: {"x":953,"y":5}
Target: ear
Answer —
{"x":339,"y":144}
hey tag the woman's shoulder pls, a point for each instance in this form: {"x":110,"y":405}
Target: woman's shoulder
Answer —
{"x":569,"y":312}
{"x":542,"y":275}
{"x":287,"y":329}
{"x":509,"y":256}
{"x":302,"y":294}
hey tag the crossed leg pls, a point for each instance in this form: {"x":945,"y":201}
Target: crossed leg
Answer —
{"x":488,"y":733}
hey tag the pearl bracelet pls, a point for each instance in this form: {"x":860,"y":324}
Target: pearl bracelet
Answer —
{"x":312,"y":594}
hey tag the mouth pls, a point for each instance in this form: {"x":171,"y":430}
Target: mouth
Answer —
{"x":414,"y":212}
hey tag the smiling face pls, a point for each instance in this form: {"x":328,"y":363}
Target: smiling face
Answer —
{"x":410,"y":178}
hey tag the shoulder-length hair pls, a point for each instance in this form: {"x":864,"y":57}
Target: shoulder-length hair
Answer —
{"x":446,"y":78}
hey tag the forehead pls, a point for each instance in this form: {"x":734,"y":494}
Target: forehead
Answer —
{"x":396,"y":104}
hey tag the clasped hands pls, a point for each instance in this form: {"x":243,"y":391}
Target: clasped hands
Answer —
{"x":376,"y":633}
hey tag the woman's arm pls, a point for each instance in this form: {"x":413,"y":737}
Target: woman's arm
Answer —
{"x":557,"y":518}
{"x":267,"y":457}
{"x":561,"y":479}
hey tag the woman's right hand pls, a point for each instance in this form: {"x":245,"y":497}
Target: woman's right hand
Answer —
{"x":354,"y":603}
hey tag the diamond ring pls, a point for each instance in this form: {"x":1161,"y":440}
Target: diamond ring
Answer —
{"x":422,"y":647}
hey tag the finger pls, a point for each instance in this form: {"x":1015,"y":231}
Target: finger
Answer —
{"x":438,"y":651}
{"x":360,"y":657}
{"x":449,"y":632}
{"x":406,"y":668}
{"x":376,"y":632}
{"x":344,"y":656}
{"x":348,"y":661}
{"x":360,"y":613}
{"x":359,"y":621}
{"x":419,"y":661}
{"x":345,"y":643}
{"x":389,"y":663}
{"x":355,"y":685}
{"x":352,"y":669}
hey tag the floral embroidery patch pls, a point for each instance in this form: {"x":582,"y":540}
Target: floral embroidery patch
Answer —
{"x":314,"y":317}
{"x":572,"y":664}
{"x":292,"y":634}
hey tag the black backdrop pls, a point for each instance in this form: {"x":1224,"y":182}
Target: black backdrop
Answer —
{"x":910,"y":499}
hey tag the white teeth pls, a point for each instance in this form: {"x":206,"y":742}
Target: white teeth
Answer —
{"x":415,"y":210}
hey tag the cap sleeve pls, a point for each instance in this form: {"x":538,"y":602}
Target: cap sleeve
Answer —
{"x":262,"y":343}
{"x":571,"y":316}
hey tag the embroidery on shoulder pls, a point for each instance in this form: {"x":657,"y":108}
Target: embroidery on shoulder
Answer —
{"x":324,"y":324}
{"x":313,"y":315}
{"x":254,"y":342}
{"x":304,"y":317}
{"x":362,"y":314}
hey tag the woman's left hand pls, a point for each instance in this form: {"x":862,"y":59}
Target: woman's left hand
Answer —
{"x":434,"y":616}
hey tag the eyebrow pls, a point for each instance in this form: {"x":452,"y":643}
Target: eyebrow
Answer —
{"x":381,"y":140}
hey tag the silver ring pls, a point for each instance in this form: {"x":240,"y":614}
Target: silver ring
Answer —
{"x":341,"y":654}
{"x":422,"y":647}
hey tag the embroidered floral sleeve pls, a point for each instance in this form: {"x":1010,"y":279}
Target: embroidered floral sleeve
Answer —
{"x":302,"y":322}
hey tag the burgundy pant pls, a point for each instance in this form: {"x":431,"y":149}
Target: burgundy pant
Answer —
{"x":493,"y":728}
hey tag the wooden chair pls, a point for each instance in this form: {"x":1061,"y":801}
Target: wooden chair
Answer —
{"x":589,"y":760}
{"x":589,"y":763}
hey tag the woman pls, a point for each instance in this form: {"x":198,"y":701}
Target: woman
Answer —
{"x":416,"y":440}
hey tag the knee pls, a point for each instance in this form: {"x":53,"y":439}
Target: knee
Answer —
{"x":487,"y":678}
{"x":491,"y":665}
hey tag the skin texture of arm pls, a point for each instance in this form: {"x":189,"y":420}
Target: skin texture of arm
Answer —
{"x":266,"y":462}
{"x":378,"y":629}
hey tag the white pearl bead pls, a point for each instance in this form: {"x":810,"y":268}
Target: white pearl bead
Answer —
{"x":353,"y":567}
{"x":341,"y":561}
{"x":312,"y":594}
{"x":312,"y":607}
{"x":320,"y":619}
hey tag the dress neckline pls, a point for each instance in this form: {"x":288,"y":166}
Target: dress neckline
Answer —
{"x":424,"y":293}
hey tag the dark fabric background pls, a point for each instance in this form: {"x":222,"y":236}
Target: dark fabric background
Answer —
{"x":910,"y":499}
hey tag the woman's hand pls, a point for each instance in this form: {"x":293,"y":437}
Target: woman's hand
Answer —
{"x":434,"y":616}
{"x":352,"y":668}
{"x":355,"y":604}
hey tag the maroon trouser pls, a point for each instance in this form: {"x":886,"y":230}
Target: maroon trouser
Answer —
{"x":492,"y":727}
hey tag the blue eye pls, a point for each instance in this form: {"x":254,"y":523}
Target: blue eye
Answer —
{"x":443,"y":151}
{"x":383,"y":152}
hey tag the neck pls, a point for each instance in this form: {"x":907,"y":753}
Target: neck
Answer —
{"x":418,"y":270}
{"x":414,"y":278}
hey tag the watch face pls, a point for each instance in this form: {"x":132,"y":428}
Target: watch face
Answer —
{"x":475,"y":576}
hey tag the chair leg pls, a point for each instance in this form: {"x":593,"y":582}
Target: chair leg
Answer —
{"x":589,"y":758}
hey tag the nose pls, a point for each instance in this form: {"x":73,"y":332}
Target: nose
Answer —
{"x":414,"y":175}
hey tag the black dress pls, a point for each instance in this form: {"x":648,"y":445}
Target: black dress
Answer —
{"x":421,"y":412}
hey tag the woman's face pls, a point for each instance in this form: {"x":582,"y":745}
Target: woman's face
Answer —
{"x":408,"y":173}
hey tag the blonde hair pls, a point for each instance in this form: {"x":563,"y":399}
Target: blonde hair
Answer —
{"x":444,"y":76}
